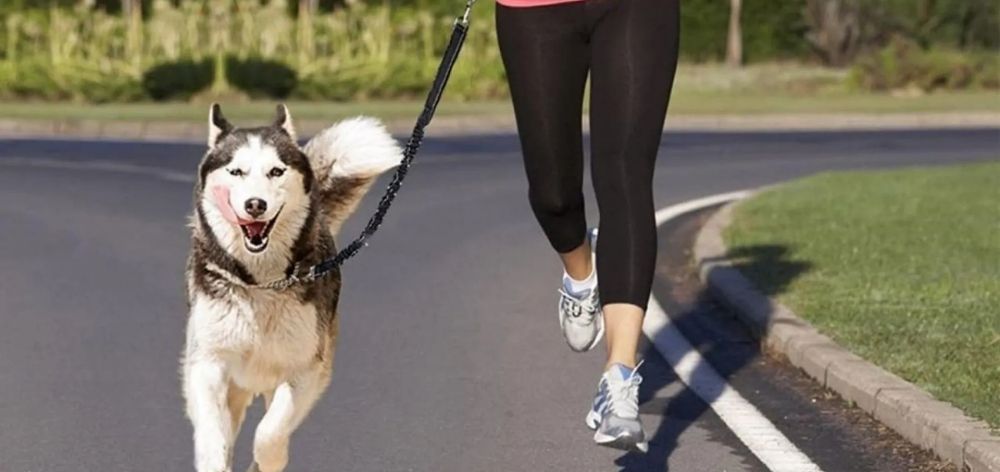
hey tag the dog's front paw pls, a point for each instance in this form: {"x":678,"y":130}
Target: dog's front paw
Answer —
{"x":253,"y":468}
{"x":270,"y":455}
{"x":213,"y":468}
{"x":212,"y":463}
{"x":211,"y":454}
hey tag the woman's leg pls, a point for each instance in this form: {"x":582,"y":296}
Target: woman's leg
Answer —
{"x":547,"y":58}
{"x":634,"y":57}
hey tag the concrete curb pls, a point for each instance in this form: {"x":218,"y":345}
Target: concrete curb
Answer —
{"x":191,"y":132}
{"x":914,"y":414}
{"x":188,"y":131}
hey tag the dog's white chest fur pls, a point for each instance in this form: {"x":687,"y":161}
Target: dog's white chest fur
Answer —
{"x":265,"y":336}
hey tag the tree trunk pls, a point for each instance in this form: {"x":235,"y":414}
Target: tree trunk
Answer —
{"x":834,"y":30}
{"x":219,"y":41}
{"x":734,"y":46}
{"x":308,"y":6}
{"x":133,"y":13}
{"x":306,"y":40}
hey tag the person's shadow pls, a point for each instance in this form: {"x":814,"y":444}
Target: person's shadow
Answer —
{"x":727,"y":357}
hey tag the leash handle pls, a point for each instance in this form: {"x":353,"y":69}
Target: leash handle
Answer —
{"x":458,"y":35}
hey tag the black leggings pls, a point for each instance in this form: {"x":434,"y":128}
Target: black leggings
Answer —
{"x":629,"y":47}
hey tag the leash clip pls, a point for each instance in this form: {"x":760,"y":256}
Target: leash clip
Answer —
{"x":309,"y":276}
{"x":292,"y":279}
{"x":464,"y":20}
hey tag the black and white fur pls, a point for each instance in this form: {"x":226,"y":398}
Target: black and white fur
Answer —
{"x":242,"y":341}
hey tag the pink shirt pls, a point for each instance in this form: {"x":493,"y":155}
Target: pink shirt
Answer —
{"x":533,"y":3}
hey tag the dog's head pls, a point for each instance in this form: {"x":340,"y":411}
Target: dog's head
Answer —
{"x":254,"y":184}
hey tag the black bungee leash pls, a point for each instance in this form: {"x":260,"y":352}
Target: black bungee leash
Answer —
{"x":327,"y":266}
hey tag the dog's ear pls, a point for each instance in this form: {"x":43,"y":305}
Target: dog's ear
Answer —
{"x":218,"y":125}
{"x":283,"y":121}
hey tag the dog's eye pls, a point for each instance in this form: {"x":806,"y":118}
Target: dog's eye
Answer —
{"x":276,"y":172}
{"x":236,"y":172}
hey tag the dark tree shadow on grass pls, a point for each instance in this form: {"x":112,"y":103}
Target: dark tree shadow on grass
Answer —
{"x":768,"y":264}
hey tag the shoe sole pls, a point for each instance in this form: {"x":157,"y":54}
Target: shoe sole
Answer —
{"x":593,"y":420}
{"x":624,"y":442}
{"x":600,"y":333}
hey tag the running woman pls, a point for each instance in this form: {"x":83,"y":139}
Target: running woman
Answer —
{"x":629,"y":49}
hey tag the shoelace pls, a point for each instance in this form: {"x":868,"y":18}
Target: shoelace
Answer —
{"x":576,"y":307}
{"x":623,"y":396}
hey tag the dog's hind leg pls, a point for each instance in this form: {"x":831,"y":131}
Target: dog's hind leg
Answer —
{"x":206,"y":390}
{"x":289,"y":405}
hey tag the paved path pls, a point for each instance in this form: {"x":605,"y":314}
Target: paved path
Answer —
{"x":450,"y":358}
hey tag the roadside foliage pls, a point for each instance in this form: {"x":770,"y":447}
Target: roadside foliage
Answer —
{"x":96,"y":51}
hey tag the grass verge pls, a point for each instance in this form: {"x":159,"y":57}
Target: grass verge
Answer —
{"x":691,"y":102}
{"x":901,"y":267}
{"x":239,"y":111}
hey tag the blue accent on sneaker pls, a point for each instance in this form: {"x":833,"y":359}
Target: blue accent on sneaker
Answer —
{"x":625,"y":372}
{"x":568,"y":287}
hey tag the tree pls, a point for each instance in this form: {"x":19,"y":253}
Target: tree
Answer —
{"x":132,"y":10}
{"x":734,"y":45}
{"x":219,"y":43}
{"x":834,"y":30}
{"x":964,"y":24}
{"x":307,"y":8}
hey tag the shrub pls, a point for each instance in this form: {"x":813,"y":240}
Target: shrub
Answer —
{"x":261,"y":78}
{"x":104,"y":88}
{"x":772,"y":30}
{"x":75,"y":81}
{"x":179,"y":79}
{"x":704,"y":25}
{"x":904,"y":64}
{"x":30,"y":79}
{"x":962,"y":24}
{"x":367,"y":52}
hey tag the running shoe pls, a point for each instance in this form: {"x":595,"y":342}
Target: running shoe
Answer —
{"x":580,"y":314}
{"x":615,"y":413}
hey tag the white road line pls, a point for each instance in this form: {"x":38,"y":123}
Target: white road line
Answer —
{"x":749,"y":424}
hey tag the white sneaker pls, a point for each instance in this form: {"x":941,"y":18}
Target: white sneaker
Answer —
{"x":580,"y":315}
{"x":615,"y":413}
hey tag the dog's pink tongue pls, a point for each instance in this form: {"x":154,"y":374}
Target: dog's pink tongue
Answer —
{"x":255,"y":229}
{"x":221,"y":195}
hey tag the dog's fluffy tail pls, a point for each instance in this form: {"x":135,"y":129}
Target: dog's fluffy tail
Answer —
{"x":346,"y":158}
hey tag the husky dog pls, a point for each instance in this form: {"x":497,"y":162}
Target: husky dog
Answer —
{"x":264,"y":207}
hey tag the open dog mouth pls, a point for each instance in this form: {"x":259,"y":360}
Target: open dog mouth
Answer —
{"x":255,"y":233}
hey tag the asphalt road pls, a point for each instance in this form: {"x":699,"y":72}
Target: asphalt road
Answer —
{"x":450,"y":357}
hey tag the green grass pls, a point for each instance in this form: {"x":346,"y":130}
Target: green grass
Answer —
{"x":901,"y":267}
{"x":684,"y":103}
{"x":256,"y":111}
{"x":761,"y":103}
{"x":701,"y":89}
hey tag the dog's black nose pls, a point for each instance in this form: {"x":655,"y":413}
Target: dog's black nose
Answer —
{"x":255,"y":207}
